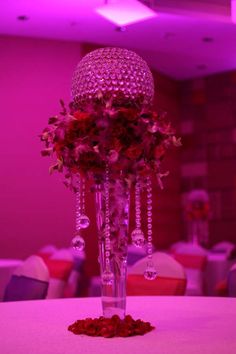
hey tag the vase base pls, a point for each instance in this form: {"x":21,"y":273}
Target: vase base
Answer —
{"x":113,"y":306}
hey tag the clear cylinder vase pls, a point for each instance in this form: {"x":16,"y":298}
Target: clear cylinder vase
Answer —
{"x":113,"y":294}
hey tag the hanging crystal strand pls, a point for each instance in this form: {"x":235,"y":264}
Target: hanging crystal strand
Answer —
{"x":150,"y":272}
{"x":78,"y":241}
{"x":83,"y":219}
{"x":107,"y":276}
{"x":137,"y":234}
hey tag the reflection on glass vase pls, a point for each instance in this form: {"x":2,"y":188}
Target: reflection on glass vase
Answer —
{"x":113,"y":246}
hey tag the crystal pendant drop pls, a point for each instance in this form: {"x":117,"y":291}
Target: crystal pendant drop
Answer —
{"x":83,"y":221}
{"x":138,"y":238}
{"x":78,"y":243}
{"x":150,"y":272}
{"x":107,"y":277}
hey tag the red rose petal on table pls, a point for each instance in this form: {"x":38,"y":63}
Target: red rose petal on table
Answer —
{"x":111,"y":327}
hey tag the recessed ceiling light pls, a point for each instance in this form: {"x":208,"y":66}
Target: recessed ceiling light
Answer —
{"x":120,"y":28}
{"x":208,"y":39}
{"x":125,"y":12}
{"x":23,"y":18}
{"x":201,"y":67}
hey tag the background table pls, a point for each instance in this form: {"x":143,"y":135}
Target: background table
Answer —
{"x":191,"y":325}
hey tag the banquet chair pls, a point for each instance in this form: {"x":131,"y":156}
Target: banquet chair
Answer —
{"x":60,"y":265}
{"x":225,"y":247}
{"x":29,"y":281}
{"x":46,"y":251}
{"x":7,"y":267}
{"x":77,"y":281}
{"x":134,"y":254}
{"x":171,"y":279}
{"x":231,"y":281}
{"x":65,"y":267}
{"x":193,"y":258}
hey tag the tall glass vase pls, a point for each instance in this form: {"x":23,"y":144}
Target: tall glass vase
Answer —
{"x":113,"y":293}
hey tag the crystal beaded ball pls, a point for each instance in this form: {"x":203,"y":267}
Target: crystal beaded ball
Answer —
{"x":115,"y":73}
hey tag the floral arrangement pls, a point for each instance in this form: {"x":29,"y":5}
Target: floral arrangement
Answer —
{"x":111,"y":327}
{"x":198,"y":210}
{"x":197,"y":206}
{"x":126,"y":137}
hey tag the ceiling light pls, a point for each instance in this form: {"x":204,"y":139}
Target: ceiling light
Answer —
{"x":125,"y":12}
{"x":207,"y":39}
{"x":23,"y":18}
{"x":120,"y":28}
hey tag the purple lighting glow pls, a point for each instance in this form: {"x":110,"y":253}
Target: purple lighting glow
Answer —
{"x":125,"y":12}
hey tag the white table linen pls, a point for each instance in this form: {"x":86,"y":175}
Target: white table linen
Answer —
{"x":184,"y":325}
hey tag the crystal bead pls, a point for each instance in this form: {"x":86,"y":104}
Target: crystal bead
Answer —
{"x":150,"y":272}
{"x":107,"y":277}
{"x":137,"y":237}
{"x":83,"y":221}
{"x":78,"y":243}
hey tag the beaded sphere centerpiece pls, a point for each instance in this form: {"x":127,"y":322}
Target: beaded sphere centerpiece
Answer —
{"x":116,"y":73}
{"x":123,"y":78}
{"x":110,"y":135}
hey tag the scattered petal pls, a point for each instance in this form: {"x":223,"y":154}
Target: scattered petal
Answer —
{"x":111,"y":327}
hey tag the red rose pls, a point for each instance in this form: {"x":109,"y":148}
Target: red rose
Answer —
{"x":130,"y":114}
{"x":81,"y":115}
{"x":58,"y":147}
{"x":159,"y":152}
{"x":133,"y":152}
{"x":117,"y":146}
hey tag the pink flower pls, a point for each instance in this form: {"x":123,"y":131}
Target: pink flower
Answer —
{"x":113,"y":156}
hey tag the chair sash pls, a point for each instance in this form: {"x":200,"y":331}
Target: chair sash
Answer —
{"x":193,"y":261}
{"x":24,"y":288}
{"x":138,"y":285}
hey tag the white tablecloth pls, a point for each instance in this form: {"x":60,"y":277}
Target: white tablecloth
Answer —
{"x":184,"y":325}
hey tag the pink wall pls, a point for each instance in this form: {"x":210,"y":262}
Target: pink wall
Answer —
{"x":35,"y":209}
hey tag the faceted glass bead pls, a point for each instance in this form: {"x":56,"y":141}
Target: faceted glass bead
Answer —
{"x":150,"y":272}
{"x":78,"y":243}
{"x":138,"y":238}
{"x":107,"y":277}
{"x":83,"y":221}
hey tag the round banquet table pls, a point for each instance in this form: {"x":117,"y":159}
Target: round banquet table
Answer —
{"x":184,"y":325}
